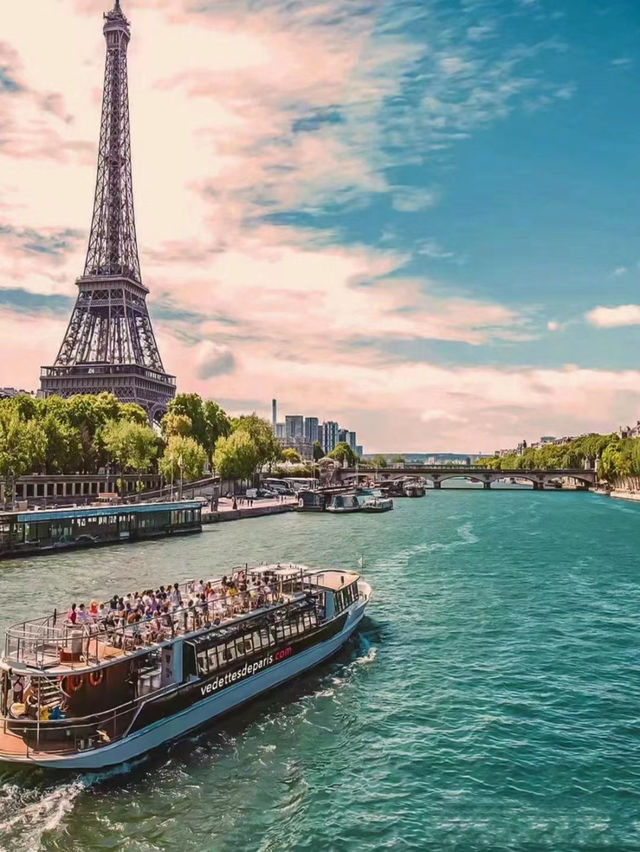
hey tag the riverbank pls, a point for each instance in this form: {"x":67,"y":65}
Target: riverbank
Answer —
{"x":625,"y":495}
{"x":226,"y":512}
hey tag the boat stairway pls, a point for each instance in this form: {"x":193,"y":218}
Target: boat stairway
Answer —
{"x":47,"y":691}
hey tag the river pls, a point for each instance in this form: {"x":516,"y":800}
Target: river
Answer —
{"x":490,"y":701}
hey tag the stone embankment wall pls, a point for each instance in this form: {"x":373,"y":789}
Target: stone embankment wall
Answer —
{"x":626,"y":486}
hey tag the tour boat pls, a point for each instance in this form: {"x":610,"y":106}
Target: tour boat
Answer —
{"x":343,"y":503}
{"x":378,"y":504}
{"x":84,"y":697}
{"x":414,"y":489}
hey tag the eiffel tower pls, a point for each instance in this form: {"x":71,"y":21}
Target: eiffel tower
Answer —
{"x":109,"y":344}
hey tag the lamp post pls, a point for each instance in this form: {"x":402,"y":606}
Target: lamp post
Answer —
{"x":171,"y":460}
{"x":181,"y":466}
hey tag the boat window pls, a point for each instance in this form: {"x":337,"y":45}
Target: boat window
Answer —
{"x":203,"y":663}
{"x":189,"y":664}
{"x":243,"y":647}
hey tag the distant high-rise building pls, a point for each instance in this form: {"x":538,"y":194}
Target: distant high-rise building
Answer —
{"x":343,"y":435}
{"x":294,"y":426}
{"x":311,"y":429}
{"x":351,"y":440}
{"x":359,"y":450}
{"x":329,"y":435}
{"x":280,"y":430}
{"x":274,"y":413}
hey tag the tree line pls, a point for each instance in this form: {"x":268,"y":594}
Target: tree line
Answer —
{"x":613,"y":455}
{"x":88,"y":433}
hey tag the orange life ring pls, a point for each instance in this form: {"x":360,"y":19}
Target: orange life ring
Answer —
{"x":96,"y":677}
{"x":71,"y":683}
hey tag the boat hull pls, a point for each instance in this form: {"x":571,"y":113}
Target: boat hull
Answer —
{"x":204,"y":711}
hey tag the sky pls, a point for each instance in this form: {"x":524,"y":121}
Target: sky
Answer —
{"x":419,"y":218}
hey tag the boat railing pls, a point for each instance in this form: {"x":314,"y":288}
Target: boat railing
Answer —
{"x":83,"y":733}
{"x":44,"y":643}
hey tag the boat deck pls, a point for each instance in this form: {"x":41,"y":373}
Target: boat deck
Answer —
{"x":12,"y":744}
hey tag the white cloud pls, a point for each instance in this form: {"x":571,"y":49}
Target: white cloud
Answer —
{"x":432,"y":248}
{"x":603,"y":317}
{"x":620,"y":270}
{"x":407,"y":199}
{"x":552,"y":325}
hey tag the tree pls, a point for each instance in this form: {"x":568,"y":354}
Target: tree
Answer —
{"x":208,"y":420}
{"x":291,"y":455}
{"x":64,"y":452}
{"x":380,"y":461}
{"x":131,"y":445}
{"x":318,"y":451}
{"x":183,"y":458}
{"x":175,"y":424}
{"x":216,"y":425}
{"x":22,"y":447}
{"x":397,"y":460}
{"x":236,"y":456}
{"x":343,"y":451}
{"x":133,"y":412}
{"x":267,"y":445}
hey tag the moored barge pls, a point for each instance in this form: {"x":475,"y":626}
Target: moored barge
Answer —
{"x":91,"y":695}
{"x":25,"y":533}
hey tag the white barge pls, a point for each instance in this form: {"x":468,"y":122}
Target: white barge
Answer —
{"x":88,"y":696}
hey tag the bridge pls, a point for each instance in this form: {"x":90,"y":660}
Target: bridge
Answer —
{"x":437,"y":474}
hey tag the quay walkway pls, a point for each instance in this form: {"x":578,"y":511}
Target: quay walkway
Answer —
{"x":226,"y":512}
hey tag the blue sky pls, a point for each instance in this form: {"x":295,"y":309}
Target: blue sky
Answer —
{"x":417,"y":218}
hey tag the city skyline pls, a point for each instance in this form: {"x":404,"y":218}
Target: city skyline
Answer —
{"x":423,"y":213}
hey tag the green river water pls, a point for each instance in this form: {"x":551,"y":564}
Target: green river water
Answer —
{"x":491,"y":700}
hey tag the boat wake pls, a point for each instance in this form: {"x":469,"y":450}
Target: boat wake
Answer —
{"x":466,"y":536}
{"x":29,"y":810}
{"x":27,"y":814}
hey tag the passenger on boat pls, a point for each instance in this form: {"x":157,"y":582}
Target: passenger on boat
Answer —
{"x":176,"y":597}
{"x":72,"y":615}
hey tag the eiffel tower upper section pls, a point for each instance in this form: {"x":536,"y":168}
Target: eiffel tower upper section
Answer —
{"x":109,"y":344}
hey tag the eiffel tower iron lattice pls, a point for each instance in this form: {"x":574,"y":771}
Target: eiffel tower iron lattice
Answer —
{"x":109,"y":344}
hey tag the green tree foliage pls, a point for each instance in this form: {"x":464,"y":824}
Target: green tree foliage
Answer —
{"x":343,"y":451}
{"x":175,"y":424}
{"x":23,"y":445}
{"x":72,"y":427}
{"x":131,"y":445}
{"x":237,"y":455}
{"x":64,"y":450}
{"x":397,"y":460}
{"x":268,"y":448}
{"x":184,"y":458}
{"x":380,"y":461}
{"x":318,"y":452}
{"x":208,"y":421}
{"x":291,"y":455}
{"x":615,"y":456}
